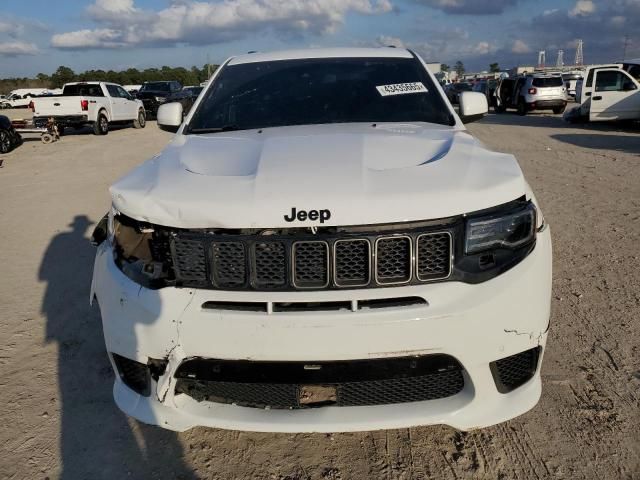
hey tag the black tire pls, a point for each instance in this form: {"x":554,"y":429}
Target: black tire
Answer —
{"x":17,"y":139}
{"x":522,"y":108}
{"x":101,"y":125}
{"x":5,"y":142}
{"x":558,"y":110}
{"x":141,"y":121}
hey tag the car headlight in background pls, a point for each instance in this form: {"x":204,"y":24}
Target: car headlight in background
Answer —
{"x":161,"y":99}
{"x":509,"y":230}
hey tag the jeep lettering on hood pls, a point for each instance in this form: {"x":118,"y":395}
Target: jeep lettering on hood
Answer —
{"x":313,"y":215}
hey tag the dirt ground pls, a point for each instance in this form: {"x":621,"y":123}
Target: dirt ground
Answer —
{"x":59,"y":420}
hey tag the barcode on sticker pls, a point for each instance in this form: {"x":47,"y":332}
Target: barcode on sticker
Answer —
{"x":401,"y":88}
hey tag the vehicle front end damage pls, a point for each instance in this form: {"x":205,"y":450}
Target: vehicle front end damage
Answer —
{"x":336,"y":329}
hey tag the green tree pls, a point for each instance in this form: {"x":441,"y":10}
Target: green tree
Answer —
{"x":459,"y":68}
{"x":62,"y":75}
{"x":494,"y":67}
{"x":444,"y":67}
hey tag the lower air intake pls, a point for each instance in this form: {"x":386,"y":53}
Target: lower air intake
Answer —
{"x":512,"y":372}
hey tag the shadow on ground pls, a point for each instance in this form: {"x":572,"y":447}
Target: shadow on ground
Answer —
{"x":96,"y":440}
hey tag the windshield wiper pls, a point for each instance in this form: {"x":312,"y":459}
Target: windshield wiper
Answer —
{"x":225,"y":128}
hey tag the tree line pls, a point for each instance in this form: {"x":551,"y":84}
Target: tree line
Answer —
{"x":130,"y":76}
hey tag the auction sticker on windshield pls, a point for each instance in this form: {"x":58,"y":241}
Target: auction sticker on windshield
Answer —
{"x":401,"y":88}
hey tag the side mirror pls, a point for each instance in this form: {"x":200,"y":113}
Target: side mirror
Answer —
{"x":170,"y":116}
{"x":473,"y":106}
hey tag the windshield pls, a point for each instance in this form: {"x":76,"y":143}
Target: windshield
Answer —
{"x":317,"y":91}
{"x":155,"y":87}
{"x":547,"y":82}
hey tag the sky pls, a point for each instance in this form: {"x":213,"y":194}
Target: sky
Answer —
{"x":40,"y":35}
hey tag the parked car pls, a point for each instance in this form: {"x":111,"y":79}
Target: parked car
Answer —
{"x":531,"y":92}
{"x":570,"y":80}
{"x":21,"y":97}
{"x":9,"y":138}
{"x":453,"y":90}
{"x":98,"y":104}
{"x":324,"y":247}
{"x":154,"y":94}
{"x":194,"y":91}
{"x":609,"y":93}
{"x":486,"y":87}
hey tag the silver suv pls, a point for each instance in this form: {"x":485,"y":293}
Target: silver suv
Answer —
{"x":531,"y":92}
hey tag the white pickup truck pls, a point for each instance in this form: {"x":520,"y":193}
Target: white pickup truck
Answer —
{"x":607,"y":93}
{"x":89,"y":103}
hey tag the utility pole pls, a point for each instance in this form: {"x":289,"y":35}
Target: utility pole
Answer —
{"x":560,"y":59}
{"x":624,"y":51}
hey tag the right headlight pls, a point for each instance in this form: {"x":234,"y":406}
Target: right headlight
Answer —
{"x":506,"y":230}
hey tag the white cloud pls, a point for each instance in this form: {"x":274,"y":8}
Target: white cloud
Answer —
{"x":483,"y":48}
{"x":201,"y":23}
{"x":582,"y":8}
{"x":618,"y":20}
{"x":386,"y":41}
{"x":520,"y":47}
{"x":16,"y":48}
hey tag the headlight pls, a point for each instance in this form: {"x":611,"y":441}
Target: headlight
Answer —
{"x":131,"y":241}
{"x":509,"y":230}
{"x":161,"y":99}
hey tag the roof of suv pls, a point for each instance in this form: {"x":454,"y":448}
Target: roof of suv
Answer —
{"x":382,"y":52}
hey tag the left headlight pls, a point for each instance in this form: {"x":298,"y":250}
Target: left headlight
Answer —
{"x":161,"y":99}
{"x":508,"y":230}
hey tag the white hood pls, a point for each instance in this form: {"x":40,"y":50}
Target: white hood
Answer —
{"x":362,"y":174}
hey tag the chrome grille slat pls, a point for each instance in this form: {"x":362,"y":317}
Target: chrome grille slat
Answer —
{"x":393,"y":260}
{"x":352,"y":262}
{"x":433,"y":255}
{"x":310,"y":261}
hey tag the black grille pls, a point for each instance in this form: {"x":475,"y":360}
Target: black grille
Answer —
{"x":401,"y":390}
{"x":311,"y":264}
{"x":229,"y":264}
{"x":393,"y":260}
{"x":352,"y":262}
{"x":283,"y":261}
{"x":434,"y":256}
{"x":352,"y":383}
{"x":511,"y":372}
{"x":190,"y":261}
{"x":270,"y":265}
{"x":135,"y":375}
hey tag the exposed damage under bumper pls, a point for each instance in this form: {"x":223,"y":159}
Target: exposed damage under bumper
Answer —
{"x":476,"y":325}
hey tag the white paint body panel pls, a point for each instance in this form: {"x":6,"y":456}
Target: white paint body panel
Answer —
{"x":363,"y":174}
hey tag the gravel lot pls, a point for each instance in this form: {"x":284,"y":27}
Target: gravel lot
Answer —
{"x":59,"y":420}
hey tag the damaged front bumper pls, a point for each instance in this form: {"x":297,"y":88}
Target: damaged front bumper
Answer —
{"x":474,"y":324}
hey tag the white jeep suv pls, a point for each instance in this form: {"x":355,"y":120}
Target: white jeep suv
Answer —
{"x":324,"y":247}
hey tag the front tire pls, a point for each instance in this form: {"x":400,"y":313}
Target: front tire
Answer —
{"x":5,"y":142}
{"x":101,"y":125}
{"x":141,"y":121}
